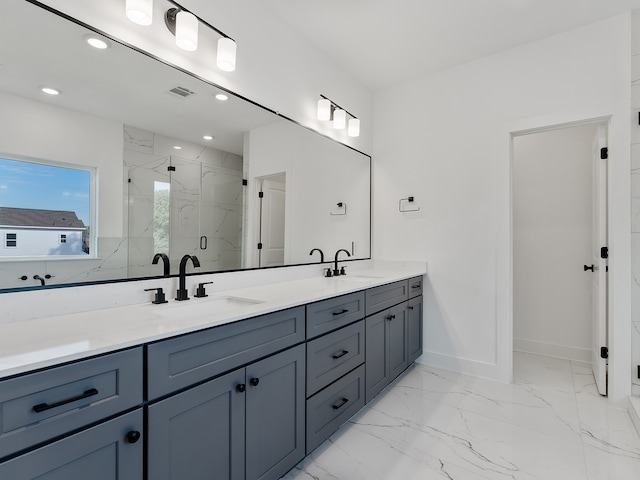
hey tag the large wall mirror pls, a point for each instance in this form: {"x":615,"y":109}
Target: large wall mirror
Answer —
{"x":166,"y":166}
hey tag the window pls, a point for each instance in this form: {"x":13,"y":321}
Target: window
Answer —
{"x":49,"y":205}
{"x":11,"y":240}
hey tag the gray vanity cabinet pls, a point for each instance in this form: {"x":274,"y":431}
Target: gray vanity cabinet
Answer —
{"x":414,"y":328}
{"x":245,"y":424}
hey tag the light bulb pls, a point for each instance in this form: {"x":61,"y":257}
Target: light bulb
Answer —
{"x":140,"y":11}
{"x":324,"y":109}
{"x":226,"y":56}
{"x":339,"y":119}
{"x":353,"y":130}
{"x":187,"y":31}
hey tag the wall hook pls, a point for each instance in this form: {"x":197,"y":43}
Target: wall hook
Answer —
{"x":409,"y":200}
{"x":340,"y":205}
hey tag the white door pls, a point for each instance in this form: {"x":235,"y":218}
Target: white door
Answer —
{"x":272,"y":214}
{"x":599,"y":264}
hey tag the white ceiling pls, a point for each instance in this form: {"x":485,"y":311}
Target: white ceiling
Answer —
{"x":383,"y":42}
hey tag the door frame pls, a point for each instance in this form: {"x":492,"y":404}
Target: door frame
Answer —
{"x":619,"y":234}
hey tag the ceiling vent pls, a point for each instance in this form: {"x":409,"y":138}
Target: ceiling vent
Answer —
{"x":182,"y":92}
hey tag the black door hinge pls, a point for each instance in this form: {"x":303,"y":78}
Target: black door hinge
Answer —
{"x":260,"y":246}
{"x":604,"y":352}
{"x":604,"y":252}
{"x":604,"y":153}
{"x":260,"y":194}
{"x":171,"y":168}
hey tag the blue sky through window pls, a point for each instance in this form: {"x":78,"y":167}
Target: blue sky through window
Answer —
{"x":34,"y":185}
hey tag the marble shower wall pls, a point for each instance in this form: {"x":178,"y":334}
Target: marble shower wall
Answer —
{"x":635,"y":194}
{"x":206,"y":203}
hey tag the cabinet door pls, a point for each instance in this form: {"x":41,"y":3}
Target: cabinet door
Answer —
{"x":397,"y":339}
{"x":414,"y":328}
{"x":199,"y":433}
{"x":109,"y":451}
{"x":376,"y":354}
{"x":275,"y":414}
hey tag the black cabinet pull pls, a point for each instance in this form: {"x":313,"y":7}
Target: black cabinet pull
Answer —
{"x":340,"y":312}
{"x":588,"y":267}
{"x":340,"y":404}
{"x":241,"y":387}
{"x":254,"y":381}
{"x":410,"y":307}
{"x":415,"y":286}
{"x":390,"y":317}
{"x":41,"y":407}
{"x":133,"y":436}
{"x":341,"y":354}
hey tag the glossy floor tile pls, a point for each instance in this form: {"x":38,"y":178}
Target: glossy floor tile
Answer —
{"x":549,"y":424}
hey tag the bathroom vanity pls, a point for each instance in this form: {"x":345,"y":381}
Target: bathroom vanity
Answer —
{"x":241,"y":385}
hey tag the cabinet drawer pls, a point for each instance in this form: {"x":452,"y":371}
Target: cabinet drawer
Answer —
{"x":327,"y":315}
{"x":415,"y":287}
{"x":333,"y":406}
{"x":110,"y":450}
{"x":331,"y":356}
{"x":179,"y":362}
{"x":385,"y":296}
{"x":38,"y":406}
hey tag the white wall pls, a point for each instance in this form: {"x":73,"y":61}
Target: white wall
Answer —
{"x":552,"y":231}
{"x":445,"y":139}
{"x":276,"y":67}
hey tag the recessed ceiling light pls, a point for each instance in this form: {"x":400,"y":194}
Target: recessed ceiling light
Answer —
{"x":222,"y":96}
{"x":177,"y":147}
{"x":97,"y":42}
{"x":207,"y":137}
{"x":50,"y":90}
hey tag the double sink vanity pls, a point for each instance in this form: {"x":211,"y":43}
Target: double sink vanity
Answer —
{"x":241,"y":384}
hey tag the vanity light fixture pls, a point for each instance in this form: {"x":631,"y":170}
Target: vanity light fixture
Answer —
{"x":331,"y":111}
{"x":140,"y":11}
{"x":97,"y":42}
{"x":222,"y":97}
{"x":184,"y":26}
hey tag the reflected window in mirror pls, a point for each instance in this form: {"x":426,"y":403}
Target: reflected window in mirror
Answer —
{"x":45,"y":209}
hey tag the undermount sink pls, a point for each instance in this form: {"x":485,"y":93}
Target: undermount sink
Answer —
{"x":201,"y":307}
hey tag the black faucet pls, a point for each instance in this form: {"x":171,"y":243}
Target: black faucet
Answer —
{"x":165,"y":260}
{"x":321,"y":254}
{"x":38,"y":277}
{"x":182,"y":293}
{"x":336,"y":270}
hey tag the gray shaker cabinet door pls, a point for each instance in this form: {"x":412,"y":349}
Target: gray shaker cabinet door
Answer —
{"x":112,"y":450}
{"x":275,"y":414}
{"x":414,"y":328}
{"x":199,"y":434}
{"x":397,"y":338}
{"x":376,"y":354}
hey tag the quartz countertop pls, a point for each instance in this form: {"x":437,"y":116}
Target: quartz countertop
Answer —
{"x":43,"y":342}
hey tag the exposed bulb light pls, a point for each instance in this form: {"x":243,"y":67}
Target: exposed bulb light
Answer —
{"x":324,"y":109}
{"x":187,"y":31}
{"x":50,"y":90}
{"x":97,"y":42}
{"x":226,"y":56}
{"x":140,"y":11}
{"x":207,"y":137}
{"x":353,"y":129}
{"x":339,"y":119}
{"x":222,"y":97}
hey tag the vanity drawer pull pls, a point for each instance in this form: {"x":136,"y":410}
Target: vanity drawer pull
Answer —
{"x":410,"y":307}
{"x":340,"y":404}
{"x":391,"y":317}
{"x":417,"y":285}
{"x":341,"y":354}
{"x":340,"y":312}
{"x":41,"y":407}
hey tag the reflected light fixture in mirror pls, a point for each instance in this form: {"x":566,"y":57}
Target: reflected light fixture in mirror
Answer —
{"x":324,"y":109}
{"x":226,"y":58}
{"x":353,"y":130}
{"x":140,"y":11}
{"x":97,"y":42}
{"x":186,"y":31}
{"x":331,"y":111}
{"x":339,"y":119}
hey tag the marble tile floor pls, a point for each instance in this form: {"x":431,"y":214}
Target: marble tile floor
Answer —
{"x":549,"y":424}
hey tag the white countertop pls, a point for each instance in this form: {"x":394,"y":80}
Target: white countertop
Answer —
{"x":42,"y":342}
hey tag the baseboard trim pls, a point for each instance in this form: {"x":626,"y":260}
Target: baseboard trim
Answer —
{"x":552,"y":350}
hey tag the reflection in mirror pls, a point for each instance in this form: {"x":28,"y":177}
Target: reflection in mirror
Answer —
{"x":176,"y":170}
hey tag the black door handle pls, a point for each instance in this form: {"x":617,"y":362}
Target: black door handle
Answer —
{"x":588,"y":267}
{"x":254,"y":382}
{"x":41,"y":407}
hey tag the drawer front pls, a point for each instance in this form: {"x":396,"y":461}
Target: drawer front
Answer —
{"x":179,"y":362}
{"x":333,"y":406}
{"x":385,"y":296}
{"x":327,"y":315}
{"x":415,"y":287}
{"x":38,"y":406}
{"x":106,"y":451}
{"x":331,"y":356}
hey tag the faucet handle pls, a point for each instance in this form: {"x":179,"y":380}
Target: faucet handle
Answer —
{"x":343,"y":271}
{"x":201,"y":292}
{"x":159,"y":298}
{"x":328,"y":273}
